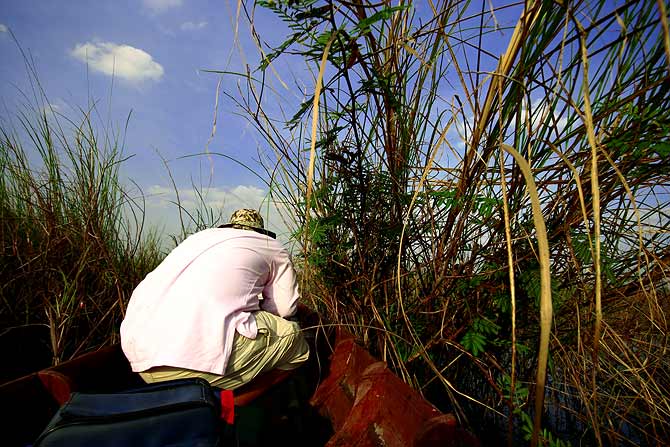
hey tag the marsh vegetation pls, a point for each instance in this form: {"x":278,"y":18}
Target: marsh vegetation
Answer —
{"x":479,"y":191}
{"x":73,"y":242}
{"x":481,"y":194}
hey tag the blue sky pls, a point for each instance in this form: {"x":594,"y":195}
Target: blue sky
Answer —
{"x":147,"y":56}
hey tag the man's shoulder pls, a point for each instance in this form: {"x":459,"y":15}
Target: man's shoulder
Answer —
{"x":238,"y":237}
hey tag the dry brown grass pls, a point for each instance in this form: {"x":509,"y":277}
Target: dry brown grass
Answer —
{"x":420,"y":232}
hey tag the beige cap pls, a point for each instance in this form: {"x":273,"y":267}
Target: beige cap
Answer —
{"x":248,"y":219}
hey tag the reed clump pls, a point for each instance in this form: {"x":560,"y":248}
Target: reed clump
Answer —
{"x":428,"y":165}
{"x":72,"y":240}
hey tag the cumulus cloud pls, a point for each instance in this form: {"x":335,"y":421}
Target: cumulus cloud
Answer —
{"x":162,"y":211}
{"x":54,"y":108}
{"x":3,"y":28}
{"x":122,"y":61}
{"x":158,"y":6}
{"x":193,"y":26}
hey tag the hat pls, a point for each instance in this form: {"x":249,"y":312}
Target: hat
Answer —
{"x":248,"y":219}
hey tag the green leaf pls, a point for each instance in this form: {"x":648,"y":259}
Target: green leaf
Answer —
{"x":313,"y":13}
{"x":364,"y":25}
{"x":300,"y":113}
{"x":484,"y":326}
{"x":662,"y":148}
{"x":474,"y":342}
{"x":503,"y":302}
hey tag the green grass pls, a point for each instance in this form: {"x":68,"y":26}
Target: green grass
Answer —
{"x":73,"y":245}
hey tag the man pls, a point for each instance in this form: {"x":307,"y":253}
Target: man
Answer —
{"x":199,"y":313}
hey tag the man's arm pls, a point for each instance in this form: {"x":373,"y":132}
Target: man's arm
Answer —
{"x":281,"y":292}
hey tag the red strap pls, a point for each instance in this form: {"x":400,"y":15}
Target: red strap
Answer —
{"x":58,"y":384}
{"x":227,"y":407}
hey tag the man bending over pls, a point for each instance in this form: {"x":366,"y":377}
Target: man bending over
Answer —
{"x":200,"y":312}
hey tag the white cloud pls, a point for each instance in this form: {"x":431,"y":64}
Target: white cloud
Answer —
{"x":122,"y":61}
{"x":192,"y":26}
{"x":162,"y":211}
{"x":53,"y":108}
{"x":158,"y":6}
{"x":3,"y":28}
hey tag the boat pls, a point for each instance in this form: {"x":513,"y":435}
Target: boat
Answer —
{"x":343,"y":396}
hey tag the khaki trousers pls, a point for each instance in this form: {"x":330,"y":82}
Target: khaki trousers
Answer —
{"x":279,"y":344}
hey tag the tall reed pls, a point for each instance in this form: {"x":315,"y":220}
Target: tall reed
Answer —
{"x":73,"y":243}
{"x":412,"y":194}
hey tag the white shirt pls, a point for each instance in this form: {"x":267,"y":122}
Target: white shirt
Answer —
{"x":184,"y":314}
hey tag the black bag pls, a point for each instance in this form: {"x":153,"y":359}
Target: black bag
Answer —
{"x":175,"y":413}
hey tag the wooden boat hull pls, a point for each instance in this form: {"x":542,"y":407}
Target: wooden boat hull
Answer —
{"x":368,"y":405}
{"x":364,"y":403}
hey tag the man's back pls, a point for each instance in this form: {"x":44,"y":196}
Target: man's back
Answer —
{"x":185,"y":312}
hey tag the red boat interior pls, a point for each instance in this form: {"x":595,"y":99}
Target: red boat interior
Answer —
{"x":341,"y":397}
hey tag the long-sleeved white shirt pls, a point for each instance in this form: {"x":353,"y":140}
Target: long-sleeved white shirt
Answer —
{"x":185,"y":313}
